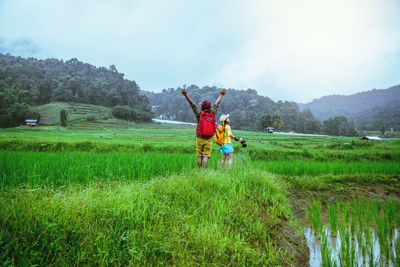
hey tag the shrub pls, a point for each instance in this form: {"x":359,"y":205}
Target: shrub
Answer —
{"x":132,"y":114}
{"x":123,"y":112}
{"x":90,"y":117}
{"x":63,"y":117}
{"x":16,"y":114}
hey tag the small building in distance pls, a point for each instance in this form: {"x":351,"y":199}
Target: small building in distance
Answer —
{"x":269,"y":130}
{"x":371,"y":138}
{"x":31,"y":122}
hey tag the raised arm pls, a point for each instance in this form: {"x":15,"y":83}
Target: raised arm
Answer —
{"x":192,"y":104}
{"x":221,"y":95}
{"x":185,"y":93}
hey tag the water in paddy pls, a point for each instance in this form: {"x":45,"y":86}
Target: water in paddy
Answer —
{"x":335,"y":244}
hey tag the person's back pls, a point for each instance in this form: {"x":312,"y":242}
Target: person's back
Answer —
{"x":227,"y":148}
{"x":205,"y":127}
{"x":219,"y":135}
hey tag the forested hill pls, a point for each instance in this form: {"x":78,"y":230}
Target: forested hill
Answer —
{"x":370,"y":109}
{"x":247,"y":109}
{"x":29,"y":82}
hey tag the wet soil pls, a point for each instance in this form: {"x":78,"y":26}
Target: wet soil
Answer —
{"x":292,"y":242}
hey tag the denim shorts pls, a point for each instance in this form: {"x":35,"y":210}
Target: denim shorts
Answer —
{"x":226,"y":148}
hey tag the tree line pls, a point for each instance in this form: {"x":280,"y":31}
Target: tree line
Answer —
{"x":247,"y":109}
{"x":29,"y":82}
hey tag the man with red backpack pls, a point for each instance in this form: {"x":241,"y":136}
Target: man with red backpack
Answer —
{"x":205,"y":127}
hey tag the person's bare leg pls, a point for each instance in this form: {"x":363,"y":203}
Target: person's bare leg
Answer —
{"x":205,"y":162}
{"x":223,"y":161}
{"x":230,"y":160}
{"x":199,"y":162}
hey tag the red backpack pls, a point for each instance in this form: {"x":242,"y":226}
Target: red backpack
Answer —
{"x":206,"y":125}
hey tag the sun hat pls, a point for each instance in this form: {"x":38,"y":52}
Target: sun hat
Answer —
{"x":223,"y":117}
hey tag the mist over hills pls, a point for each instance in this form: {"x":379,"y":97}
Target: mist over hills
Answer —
{"x":26,"y":83}
{"x":369,"y":109}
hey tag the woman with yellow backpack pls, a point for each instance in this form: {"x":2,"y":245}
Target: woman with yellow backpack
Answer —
{"x":223,"y":135}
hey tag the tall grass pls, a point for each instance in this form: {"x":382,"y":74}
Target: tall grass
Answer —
{"x":301,"y":167}
{"x":166,"y":138}
{"x":323,"y":154}
{"x":60,"y":168}
{"x":197,"y":218}
{"x":86,"y":146}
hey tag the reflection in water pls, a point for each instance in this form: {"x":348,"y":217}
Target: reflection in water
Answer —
{"x":335,"y":244}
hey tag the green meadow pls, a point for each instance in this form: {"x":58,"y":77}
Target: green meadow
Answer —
{"x":131,"y":194}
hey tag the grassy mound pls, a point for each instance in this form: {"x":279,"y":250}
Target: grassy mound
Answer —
{"x":197,"y":218}
{"x":77,"y":115}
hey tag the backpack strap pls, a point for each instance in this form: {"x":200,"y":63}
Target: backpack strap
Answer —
{"x":220,"y":131}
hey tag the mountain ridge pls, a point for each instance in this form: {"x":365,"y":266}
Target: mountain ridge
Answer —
{"x":352,"y":106}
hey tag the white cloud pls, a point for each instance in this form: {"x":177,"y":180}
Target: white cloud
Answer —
{"x":287,"y":49}
{"x":305,"y":49}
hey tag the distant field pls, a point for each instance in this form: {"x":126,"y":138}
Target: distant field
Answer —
{"x":77,"y":112}
{"x":92,"y":194}
{"x":167,"y":138}
{"x":77,"y":116}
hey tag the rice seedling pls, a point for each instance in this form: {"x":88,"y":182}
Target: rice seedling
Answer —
{"x":346,"y":213}
{"x":314,"y":214}
{"x":396,"y":254}
{"x":362,"y":242}
{"x":332,"y":217}
{"x":326,"y":250}
{"x":345,"y":256}
{"x":371,"y":254}
{"x":353,"y":224}
{"x":368,"y":231}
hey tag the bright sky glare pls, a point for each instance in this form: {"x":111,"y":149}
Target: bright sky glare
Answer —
{"x":288,"y":49}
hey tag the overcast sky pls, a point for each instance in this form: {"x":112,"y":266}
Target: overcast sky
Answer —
{"x":286,"y":50}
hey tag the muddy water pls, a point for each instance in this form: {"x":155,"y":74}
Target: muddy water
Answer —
{"x":335,"y":243}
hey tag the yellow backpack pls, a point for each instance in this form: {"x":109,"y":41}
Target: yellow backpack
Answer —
{"x":219,"y":135}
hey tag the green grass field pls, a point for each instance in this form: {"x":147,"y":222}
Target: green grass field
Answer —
{"x":95,"y":194}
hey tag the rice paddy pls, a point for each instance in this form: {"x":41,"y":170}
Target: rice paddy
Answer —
{"x":357,"y":233}
{"x":302,"y":167}
{"x":134,"y":196}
